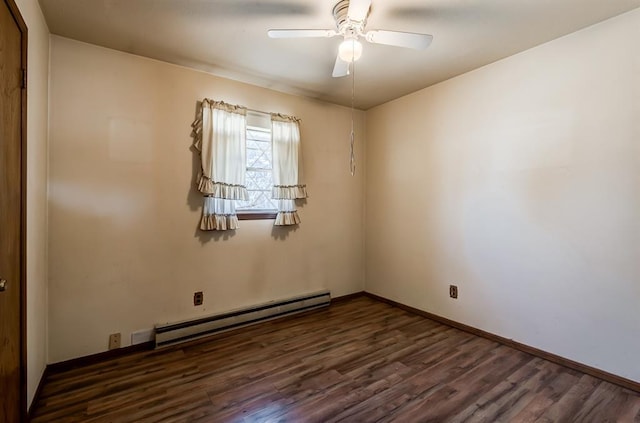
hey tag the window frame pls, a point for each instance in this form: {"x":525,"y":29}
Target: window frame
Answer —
{"x":258,"y":214}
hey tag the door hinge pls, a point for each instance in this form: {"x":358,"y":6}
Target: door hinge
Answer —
{"x":24,"y":79}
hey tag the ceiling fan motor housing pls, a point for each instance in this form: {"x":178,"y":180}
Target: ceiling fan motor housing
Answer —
{"x":345,"y":25}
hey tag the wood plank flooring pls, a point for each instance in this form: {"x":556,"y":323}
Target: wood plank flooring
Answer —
{"x":358,"y":361}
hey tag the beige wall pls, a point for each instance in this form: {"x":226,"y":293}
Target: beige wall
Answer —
{"x":37,"y":132}
{"x":520,"y":183}
{"x":124,"y":250}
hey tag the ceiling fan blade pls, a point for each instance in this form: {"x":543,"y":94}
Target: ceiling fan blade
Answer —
{"x":399,"y":39}
{"x":301,"y":33}
{"x":341,"y":68}
{"x":358,"y":10}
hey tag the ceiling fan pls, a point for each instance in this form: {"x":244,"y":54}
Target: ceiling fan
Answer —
{"x":351,"y":19}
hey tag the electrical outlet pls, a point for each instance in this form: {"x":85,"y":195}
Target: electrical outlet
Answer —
{"x":198,"y":298}
{"x":114,"y":341}
{"x":453,"y":291}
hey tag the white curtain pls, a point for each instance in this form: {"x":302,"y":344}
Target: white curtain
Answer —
{"x":218,"y":214}
{"x":220,"y":136}
{"x":287,"y":168}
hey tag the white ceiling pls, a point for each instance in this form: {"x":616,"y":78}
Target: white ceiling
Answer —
{"x":229,"y":38}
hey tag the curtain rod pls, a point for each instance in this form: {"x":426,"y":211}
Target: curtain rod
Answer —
{"x":262,"y":112}
{"x":271,"y":113}
{"x":257,"y":111}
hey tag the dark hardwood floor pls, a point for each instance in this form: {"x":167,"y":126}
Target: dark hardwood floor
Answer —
{"x":358,"y":361}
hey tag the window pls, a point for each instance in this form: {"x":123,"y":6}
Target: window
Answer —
{"x":259,"y":178}
{"x":249,"y":156}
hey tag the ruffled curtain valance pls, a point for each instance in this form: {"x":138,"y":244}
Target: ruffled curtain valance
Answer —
{"x":218,"y":214}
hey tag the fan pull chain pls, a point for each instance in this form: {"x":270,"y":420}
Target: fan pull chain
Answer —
{"x":352,"y":156}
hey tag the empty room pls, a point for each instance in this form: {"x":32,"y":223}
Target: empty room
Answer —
{"x":320,"y":211}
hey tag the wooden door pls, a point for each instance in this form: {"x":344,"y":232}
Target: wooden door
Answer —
{"x":12,"y":225}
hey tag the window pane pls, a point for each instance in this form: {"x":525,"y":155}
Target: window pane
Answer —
{"x":258,"y":155}
{"x":259,"y":179}
{"x":258,"y":200}
{"x":259,"y":134}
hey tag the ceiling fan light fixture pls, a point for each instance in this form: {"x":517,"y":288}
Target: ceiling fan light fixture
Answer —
{"x":350,"y":50}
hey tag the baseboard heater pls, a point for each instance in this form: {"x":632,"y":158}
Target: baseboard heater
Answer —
{"x":173,"y":333}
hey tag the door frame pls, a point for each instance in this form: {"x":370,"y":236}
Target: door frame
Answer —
{"x":17,"y":16}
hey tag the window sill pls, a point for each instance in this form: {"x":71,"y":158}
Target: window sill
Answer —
{"x":261,"y":215}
